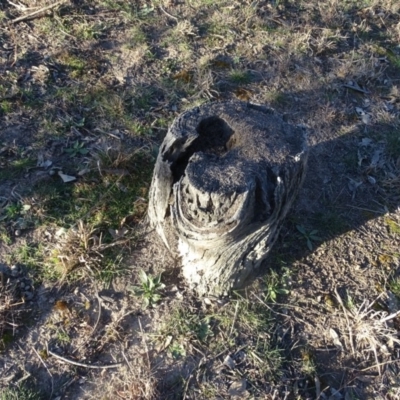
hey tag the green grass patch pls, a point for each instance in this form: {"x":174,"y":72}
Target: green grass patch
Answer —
{"x":29,"y":255}
{"x":240,"y":77}
{"x":103,"y":200}
{"x":20,"y":393}
{"x":6,"y":106}
{"x":394,"y":286}
{"x":85,"y":216}
{"x":132,"y":12}
{"x":14,"y":168}
{"x":75,"y":64}
{"x":393,"y":226}
{"x":241,"y":321}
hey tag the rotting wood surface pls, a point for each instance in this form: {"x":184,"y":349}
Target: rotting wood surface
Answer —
{"x":225,"y":177}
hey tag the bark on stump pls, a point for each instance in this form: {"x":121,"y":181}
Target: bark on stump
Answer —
{"x":225,"y":177}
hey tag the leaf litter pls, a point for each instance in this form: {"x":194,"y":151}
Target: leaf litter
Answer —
{"x":51,"y":102}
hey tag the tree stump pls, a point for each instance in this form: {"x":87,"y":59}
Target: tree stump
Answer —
{"x":225,"y":177}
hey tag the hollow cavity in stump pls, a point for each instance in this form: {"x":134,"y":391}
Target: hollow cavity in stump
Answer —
{"x":226,"y":176}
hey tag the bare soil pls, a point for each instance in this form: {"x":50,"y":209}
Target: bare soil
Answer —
{"x":87,"y":92}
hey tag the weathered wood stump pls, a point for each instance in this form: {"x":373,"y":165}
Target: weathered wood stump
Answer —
{"x":225,"y":177}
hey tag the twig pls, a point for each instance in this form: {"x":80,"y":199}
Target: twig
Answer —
{"x":339,"y":299}
{"x":356,"y":88}
{"x":98,"y":300}
{"x":79,"y":364}
{"x":35,"y":14}
{"x":52,"y":380}
{"x":378,"y":365}
{"x":189,"y":378}
{"x":19,"y":6}
{"x":234,"y":319}
{"x":145,"y":343}
{"x":127,"y":362}
{"x":317,"y":387}
{"x":168,"y":14}
{"x":391,"y":316}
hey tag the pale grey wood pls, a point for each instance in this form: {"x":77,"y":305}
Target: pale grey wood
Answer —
{"x":225,"y":177}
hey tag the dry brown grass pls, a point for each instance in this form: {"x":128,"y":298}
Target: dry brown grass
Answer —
{"x":10,"y":310}
{"x":368,"y":331}
{"x":111,"y":75}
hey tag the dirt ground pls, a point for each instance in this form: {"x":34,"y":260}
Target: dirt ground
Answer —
{"x":87,"y":92}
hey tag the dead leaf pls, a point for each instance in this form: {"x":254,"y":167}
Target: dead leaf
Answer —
{"x":228,"y":361}
{"x":366,"y":142}
{"x":335,"y":338}
{"x":376,"y":157}
{"x":83,"y":171}
{"x":121,"y":187}
{"x":164,"y":344}
{"x":118,"y":233}
{"x":220,"y":64}
{"x":243,"y":94}
{"x":66,"y":178}
{"x":184,"y":76}
{"x":238,"y":388}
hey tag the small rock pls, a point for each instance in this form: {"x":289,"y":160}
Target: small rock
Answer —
{"x":15,"y":271}
{"x":17,"y":232}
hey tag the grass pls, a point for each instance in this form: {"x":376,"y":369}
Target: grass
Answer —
{"x":20,"y":393}
{"x":242,"y":321}
{"x":93,"y":88}
{"x":310,"y":236}
{"x":15,"y":167}
{"x":86,"y":213}
{"x":149,"y":289}
{"x":240,"y":77}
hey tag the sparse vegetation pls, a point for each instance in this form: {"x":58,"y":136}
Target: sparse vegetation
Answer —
{"x":310,"y":237}
{"x":87,"y":92}
{"x":149,"y":289}
{"x":19,"y":393}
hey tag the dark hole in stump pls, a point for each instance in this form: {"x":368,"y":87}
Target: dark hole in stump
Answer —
{"x":214,"y":135}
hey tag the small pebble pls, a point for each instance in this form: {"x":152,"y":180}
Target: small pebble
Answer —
{"x":14,"y":271}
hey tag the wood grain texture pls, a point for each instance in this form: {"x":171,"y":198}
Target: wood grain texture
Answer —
{"x":226,"y":176}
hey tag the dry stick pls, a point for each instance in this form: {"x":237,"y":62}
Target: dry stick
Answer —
{"x":168,"y":14}
{"x":98,"y":314}
{"x":234,"y":320}
{"x":380,"y":364}
{"x":391,"y":316}
{"x":145,"y":344}
{"x":52,"y":380}
{"x":355,"y":88}
{"x":339,"y":299}
{"x":20,"y":7}
{"x":98,"y":300}
{"x":79,"y":364}
{"x":317,"y":387}
{"x":127,"y":362}
{"x":35,"y":14}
